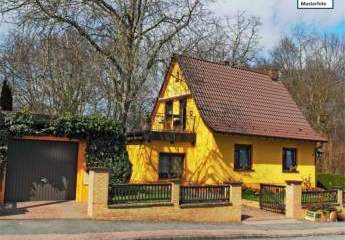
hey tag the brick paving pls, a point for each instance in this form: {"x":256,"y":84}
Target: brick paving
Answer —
{"x":250,"y":214}
{"x":44,"y":210}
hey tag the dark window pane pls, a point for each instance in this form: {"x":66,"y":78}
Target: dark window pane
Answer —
{"x":168,"y":108}
{"x":289,"y":159}
{"x":242,"y":157}
{"x":164,"y":166}
{"x":170,"y":165}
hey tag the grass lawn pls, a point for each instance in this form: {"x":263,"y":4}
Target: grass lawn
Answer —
{"x":330,"y":181}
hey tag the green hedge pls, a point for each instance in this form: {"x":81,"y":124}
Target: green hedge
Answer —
{"x":105,"y":138}
{"x":330,"y":181}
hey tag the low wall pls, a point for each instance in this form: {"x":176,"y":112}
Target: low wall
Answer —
{"x":168,"y":211}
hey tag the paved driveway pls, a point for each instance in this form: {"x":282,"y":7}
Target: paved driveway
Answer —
{"x":250,"y":214}
{"x":44,"y":210}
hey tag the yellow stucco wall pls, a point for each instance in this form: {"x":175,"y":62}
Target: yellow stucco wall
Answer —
{"x":211,"y":159}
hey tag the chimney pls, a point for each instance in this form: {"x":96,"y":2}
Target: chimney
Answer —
{"x":273,"y":73}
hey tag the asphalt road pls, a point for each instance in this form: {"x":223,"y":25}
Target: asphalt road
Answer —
{"x":331,"y":237}
{"x":91,"y":229}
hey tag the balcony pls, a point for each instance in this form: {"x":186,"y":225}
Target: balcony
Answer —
{"x":160,"y":127}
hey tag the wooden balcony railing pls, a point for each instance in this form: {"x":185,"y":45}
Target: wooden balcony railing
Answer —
{"x":169,"y":123}
{"x":172,"y":128}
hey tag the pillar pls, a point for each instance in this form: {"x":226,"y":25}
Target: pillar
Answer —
{"x":175,"y":192}
{"x":98,"y":191}
{"x":293,"y":200}
{"x":340,"y":196}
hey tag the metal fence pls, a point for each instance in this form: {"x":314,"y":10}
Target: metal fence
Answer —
{"x":135,"y":193}
{"x":272,"y":198}
{"x":312,"y":199}
{"x":205,"y":194}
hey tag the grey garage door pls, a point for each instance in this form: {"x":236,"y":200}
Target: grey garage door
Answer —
{"x":40,"y":170}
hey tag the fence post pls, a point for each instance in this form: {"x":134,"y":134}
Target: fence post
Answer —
{"x":175,"y":192}
{"x":293,"y":199}
{"x":339,"y":196}
{"x":236,"y":199}
{"x":98,"y":191}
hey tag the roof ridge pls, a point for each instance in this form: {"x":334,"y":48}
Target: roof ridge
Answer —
{"x":220,"y":63}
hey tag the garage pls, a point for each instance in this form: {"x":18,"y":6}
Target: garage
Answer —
{"x":41,"y":170}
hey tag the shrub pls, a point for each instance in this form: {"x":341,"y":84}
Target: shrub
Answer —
{"x":329,"y":181}
{"x":6,"y":99}
{"x":250,"y":194}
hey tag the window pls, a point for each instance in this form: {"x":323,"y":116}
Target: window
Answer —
{"x":177,"y":78}
{"x":168,"y":109}
{"x":183,"y":113}
{"x":243,"y":157}
{"x":170,"y":165}
{"x":289,"y":159}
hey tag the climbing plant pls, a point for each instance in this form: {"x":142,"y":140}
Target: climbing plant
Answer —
{"x":105,"y":139}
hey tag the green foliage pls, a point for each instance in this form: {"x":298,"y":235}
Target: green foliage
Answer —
{"x":105,"y":139}
{"x":330,"y":181}
{"x":250,"y":194}
{"x":6,"y":100}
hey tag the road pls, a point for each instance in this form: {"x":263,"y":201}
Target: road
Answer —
{"x":104,"y":230}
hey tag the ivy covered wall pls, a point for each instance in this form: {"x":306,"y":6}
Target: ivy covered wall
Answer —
{"x":105,"y":140}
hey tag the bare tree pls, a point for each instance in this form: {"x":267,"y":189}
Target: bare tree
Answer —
{"x":51,"y":73}
{"x":312,"y":68}
{"x":130,"y":35}
{"x":234,"y":39}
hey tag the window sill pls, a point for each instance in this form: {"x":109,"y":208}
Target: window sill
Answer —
{"x":290,"y":171}
{"x":244,"y":170}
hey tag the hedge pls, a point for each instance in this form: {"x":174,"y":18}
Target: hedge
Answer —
{"x":329,"y":181}
{"x":105,"y":138}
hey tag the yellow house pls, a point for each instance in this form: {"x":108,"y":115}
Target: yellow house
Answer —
{"x":213,"y":123}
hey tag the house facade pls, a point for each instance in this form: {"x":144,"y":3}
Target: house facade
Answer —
{"x":213,"y":123}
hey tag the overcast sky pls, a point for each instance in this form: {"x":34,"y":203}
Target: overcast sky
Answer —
{"x":278,"y":17}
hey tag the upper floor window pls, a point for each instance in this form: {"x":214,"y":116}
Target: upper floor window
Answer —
{"x":170,"y":165}
{"x":177,"y":78}
{"x":243,"y":157}
{"x":183,"y":113}
{"x":289,"y":159}
{"x":168,"y":109}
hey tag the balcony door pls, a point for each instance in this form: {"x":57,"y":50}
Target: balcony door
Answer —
{"x":168,"y":115}
{"x":183,"y":113}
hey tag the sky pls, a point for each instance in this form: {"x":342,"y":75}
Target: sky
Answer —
{"x":278,"y":17}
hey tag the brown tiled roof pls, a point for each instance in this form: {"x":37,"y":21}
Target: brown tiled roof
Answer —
{"x":239,"y":101}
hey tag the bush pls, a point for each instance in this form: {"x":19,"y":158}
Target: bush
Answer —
{"x":250,"y":194}
{"x":330,"y":181}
